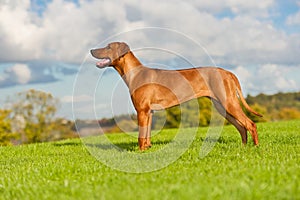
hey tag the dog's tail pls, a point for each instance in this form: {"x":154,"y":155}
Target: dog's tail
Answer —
{"x":245,"y":104}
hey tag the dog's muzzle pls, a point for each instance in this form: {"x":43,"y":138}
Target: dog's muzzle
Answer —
{"x":103,"y":62}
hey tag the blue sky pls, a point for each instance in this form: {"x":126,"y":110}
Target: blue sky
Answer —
{"x":45,"y":45}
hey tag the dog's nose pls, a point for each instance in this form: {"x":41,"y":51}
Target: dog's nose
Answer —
{"x":93,"y":52}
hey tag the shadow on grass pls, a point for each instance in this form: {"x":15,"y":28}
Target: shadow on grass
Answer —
{"x":128,"y":146}
{"x":60,"y":144}
{"x":133,"y":146}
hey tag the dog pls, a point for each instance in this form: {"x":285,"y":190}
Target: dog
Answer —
{"x":156,"y":89}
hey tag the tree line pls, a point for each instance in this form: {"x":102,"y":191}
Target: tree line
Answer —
{"x":30,"y":116}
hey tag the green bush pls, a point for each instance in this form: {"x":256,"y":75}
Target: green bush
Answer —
{"x":6,"y":135}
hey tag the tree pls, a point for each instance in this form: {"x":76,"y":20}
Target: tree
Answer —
{"x":37,"y":109}
{"x":6,"y":135}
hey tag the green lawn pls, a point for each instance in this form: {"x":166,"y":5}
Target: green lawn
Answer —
{"x":66,"y":170}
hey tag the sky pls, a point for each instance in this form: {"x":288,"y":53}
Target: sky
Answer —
{"x":45,"y":45}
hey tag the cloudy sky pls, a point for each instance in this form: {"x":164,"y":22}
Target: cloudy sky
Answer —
{"x":45,"y":45}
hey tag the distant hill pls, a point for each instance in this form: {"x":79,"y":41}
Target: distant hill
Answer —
{"x":280,"y":106}
{"x":276,"y":101}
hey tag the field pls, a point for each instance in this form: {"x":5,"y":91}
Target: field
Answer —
{"x":66,"y":170}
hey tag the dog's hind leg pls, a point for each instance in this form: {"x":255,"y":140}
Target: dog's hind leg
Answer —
{"x":242,"y":130}
{"x":234,"y":109}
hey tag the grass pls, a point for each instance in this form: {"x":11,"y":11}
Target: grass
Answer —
{"x":66,"y":170}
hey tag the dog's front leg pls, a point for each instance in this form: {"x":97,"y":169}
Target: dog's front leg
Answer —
{"x":148,"y":136}
{"x":144,"y":121}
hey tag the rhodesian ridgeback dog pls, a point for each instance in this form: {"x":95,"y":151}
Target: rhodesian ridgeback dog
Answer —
{"x":156,"y":89}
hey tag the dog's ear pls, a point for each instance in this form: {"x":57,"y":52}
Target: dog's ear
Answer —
{"x":123,"y":49}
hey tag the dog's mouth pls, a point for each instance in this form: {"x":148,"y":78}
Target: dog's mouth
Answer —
{"x":103,"y":62}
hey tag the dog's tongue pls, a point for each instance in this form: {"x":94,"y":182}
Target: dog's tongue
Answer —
{"x":102,"y":63}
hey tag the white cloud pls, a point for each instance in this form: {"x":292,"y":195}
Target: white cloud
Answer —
{"x":63,"y":32}
{"x":268,"y":78}
{"x":66,"y":31}
{"x":273,"y":77}
{"x":293,"y":19}
{"x":16,"y":74}
{"x":242,"y":72}
{"x":255,"y":8}
{"x":21,"y":73}
{"x":18,"y":33}
{"x":245,"y":40}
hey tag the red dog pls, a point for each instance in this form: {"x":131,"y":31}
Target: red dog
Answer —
{"x":155,"y":89}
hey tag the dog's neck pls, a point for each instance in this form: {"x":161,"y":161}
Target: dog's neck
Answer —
{"x":127,"y":66}
{"x":126,"y":63}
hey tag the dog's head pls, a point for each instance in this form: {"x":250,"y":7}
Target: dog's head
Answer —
{"x":110,"y":53}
